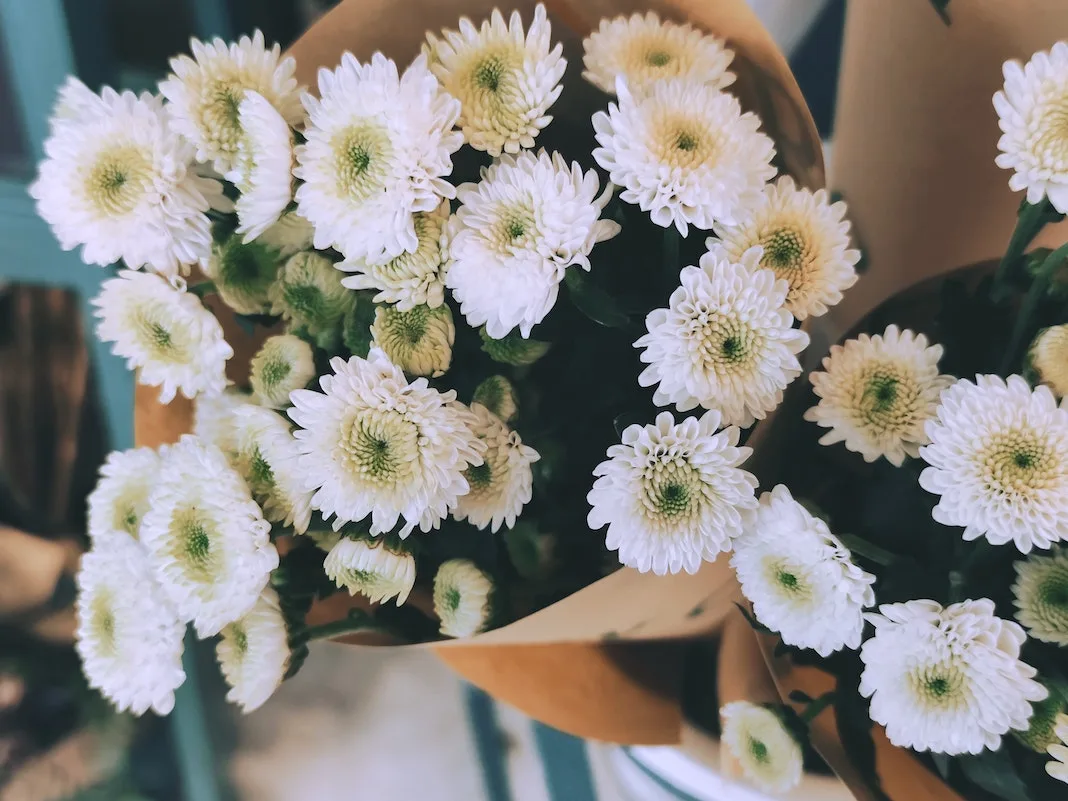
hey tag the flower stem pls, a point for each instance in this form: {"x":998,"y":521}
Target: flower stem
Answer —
{"x":1031,"y":219}
{"x":203,"y":289}
{"x":816,"y":706}
{"x":1031,"y":300}
{"x":872,"y":552}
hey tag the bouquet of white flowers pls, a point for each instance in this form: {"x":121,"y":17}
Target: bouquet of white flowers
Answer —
{"x":493,"y":363}
{"x":907,"y":565}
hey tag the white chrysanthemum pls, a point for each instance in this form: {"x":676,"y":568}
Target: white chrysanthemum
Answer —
{"x":373,"y":444}
{"x":800,"y":578}
{"x":1041,"y":726}
{"x":75,"y":102}
{"x":253,"y":653}
{"x":519,"y":228}
{"x":117,"y":181}
{"x":213,"y":418}
{"x":505,"y":79}
{"x":372,"y":569}
{"x":416,"y":278}
{"x":379,"y":146}
{"x":283,"y":364}
{"x":266,"y":457}
{"x":1058,"y":766}
{"x":1031,"y":112}
{"x":673,"y":495}
{"x":205,"y":93}
{"x":1048,"y":358}
{"x":725,"y":341}
{"x":291,"y":234}
{"x":769,"y":755}
{"x":165,"y":333}
{"x":243,"y":274}
{"x":877,"y":394}
{"x":684,"y":152}
{"x":462,"y":598}
{"x":120,"y":499}
{"x":947,"y":680}
{"x":419,"y":341}
{"x":1041,"y":596}
{"x":498,"y":395}
{"x":642,"y":49}
{"x":502,"y":485}
{"x":805,"y":241}
{"x":262,"y":166}
{"x":129,"y":637}
{"x":999,"y":460}
{"x":206,"y":537}
{"x":308,"y":293}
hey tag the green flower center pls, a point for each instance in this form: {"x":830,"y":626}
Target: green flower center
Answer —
{"x":260,"y":473}
{"x":686,"y":141}
{"x":275,"y":371}
{"x":479,"y":476}
{"x":361,"y":159}
{"x":939,"y":686}
{"x":882,"y":392}
{"x":1020,"y":462}
{"x":380,"y":447}
{"x":451,"y":599}
{"x":248,"y":267}
{"x":489,"y":72}
{"x":239,"y":637}
{"x":192,"y":545}
{"x":1054,"y":592}
{"x":129,"y":521}
{"x":657,"y":58}
{"x":788,"y":579}
{"x":156,"y":337}
{"x":102,"y":622}
{"x":758,"y":750}
{"x":118,"y":179}
{"x":305,"y":302}
{"x":674,"y":499}
{"x":784,"y":249}
{"x":733,"y":349}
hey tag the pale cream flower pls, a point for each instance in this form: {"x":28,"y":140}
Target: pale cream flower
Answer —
{"x":1041,"y":595}
{"x":877,"y":394}
{"x":769,"y":755}
{"x":999,"y":462}
{"x":291,"y":234}
{"x":419,"y":341}
{"x":120,"y":499}
{"x":506,"y":79}
{"x":262,"y":167}
{"x":684,"y":152}
{"x":378,"y":149}
{"x":372,"y":569}
{"x":642,"y":49}
{"x":283,"y":364}
{"x":1058,"y":766}
{"x":462,"y":598}
{"x":1048,"y":358}
{"x":1031,"y":111}
{"x":205,"y":92}
{"x":498,"y":395}
{"x":165,"y":333}
{"x":725,"y":342}
{"x":253,"y":653}
{"x":243,"y":274}
{"x":415,"y":278}
{"x":374,"y":445}
{"x":947,"y":680}
{"x":805,"y":240}
{"x":503,"y":484}
{"x":308,"y":294}
{"x":673,"y":495}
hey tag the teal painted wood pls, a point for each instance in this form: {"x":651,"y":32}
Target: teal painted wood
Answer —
{"x":211,"y":18}
{"x":37,"y":44}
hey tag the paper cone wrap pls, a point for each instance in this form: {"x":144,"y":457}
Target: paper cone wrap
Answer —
{"x":566,"y":664}
{"x":915,"y":137}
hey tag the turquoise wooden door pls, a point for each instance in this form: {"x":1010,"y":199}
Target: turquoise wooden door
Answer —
{"x":38,"y":53}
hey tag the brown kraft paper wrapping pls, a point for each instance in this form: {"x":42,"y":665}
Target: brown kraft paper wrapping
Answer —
{"x":916,"y":135}
{"x":565,"y":665}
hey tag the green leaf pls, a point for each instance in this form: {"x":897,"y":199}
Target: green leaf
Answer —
{"x":202,"y":289}
{"x":526,"y":550}
{"x":994,"y":772}
{"x":356,"y":334}
{"x":593,"y":301}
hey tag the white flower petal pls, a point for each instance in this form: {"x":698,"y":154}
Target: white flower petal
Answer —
{"x":769,"y":755}
{"x":462,"y":598}
{"x":253,"y":653}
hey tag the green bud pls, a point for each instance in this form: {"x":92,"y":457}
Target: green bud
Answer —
{"x":513,"y":349}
